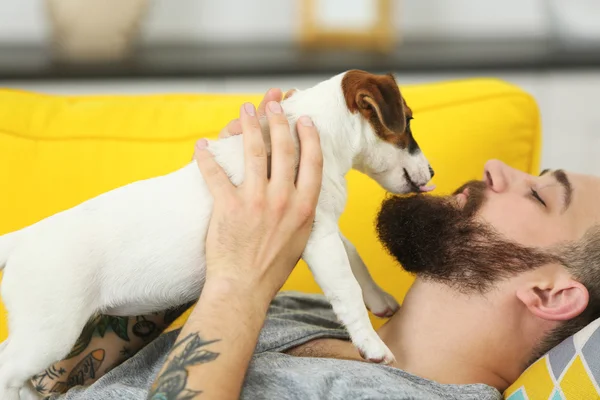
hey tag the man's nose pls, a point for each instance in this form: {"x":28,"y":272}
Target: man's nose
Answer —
{"x":496,"y":175}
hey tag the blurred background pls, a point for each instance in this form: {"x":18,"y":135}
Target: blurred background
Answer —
{"x":550,"y":48}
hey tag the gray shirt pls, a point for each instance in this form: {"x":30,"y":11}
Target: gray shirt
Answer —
{"x":293,"y":319}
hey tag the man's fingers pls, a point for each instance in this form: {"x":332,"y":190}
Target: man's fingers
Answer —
{"x":233,"y":128}
{"x":311,"y":163}
{"x":282,"y":147}
{"x":255,"y":153}
{"x":217,"y":181}
{"x":273,"y":94}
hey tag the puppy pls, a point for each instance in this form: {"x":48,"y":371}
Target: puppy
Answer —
{"x":140,"y":248}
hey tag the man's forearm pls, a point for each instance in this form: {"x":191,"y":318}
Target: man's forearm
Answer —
{"x":105,"y":342}
{"x":215,"y":346}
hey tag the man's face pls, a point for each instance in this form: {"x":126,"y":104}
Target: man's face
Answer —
{"x":489,"y":229}
{"x":539,"y":211}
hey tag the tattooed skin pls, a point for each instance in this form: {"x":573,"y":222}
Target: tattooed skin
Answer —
{"x":86,"y":369}
{"x":143,"y":328}
{"x":98,"y":325}
{"x":40,"y":380}
{"x":126,"y":352}
{"x":105,"y":342}
{"x":172,"y":383}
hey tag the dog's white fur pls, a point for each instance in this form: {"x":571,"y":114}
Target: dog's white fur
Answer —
{"x":140,"y":248}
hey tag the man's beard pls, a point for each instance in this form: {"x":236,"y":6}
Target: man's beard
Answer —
{"x":435,"y":239}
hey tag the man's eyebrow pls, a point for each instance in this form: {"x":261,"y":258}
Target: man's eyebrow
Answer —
{"x":561,"y":177}
{"x":544,"y":171}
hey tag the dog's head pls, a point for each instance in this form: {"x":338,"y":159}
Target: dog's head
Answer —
{"x":364,"y":124}
{"x":388,"y":152}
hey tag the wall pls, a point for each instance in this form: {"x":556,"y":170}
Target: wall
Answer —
{"x":275,"y":20}
{"x":22,"y":21}
{"x":264,"y":20}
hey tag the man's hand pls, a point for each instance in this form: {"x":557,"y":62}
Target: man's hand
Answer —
{"x":234,"y":127}
{"x":256,"y":235}
{"x":259,"y":229}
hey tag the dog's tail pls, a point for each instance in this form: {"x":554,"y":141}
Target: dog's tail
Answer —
{"x":7,"y":243}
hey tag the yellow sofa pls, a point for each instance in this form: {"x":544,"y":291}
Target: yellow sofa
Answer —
{"x":57,"y":151}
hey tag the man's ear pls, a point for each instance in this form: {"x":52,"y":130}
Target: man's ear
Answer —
{"x":559,"y":300}
{"x":378,"y":99}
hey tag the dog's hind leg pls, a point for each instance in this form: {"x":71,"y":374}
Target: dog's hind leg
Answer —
{"x":33,"y":347}
{"x":40,"y":336}
{"x":27,"y":392}
{"x":327,"y":259}
{"x":2,"y":346}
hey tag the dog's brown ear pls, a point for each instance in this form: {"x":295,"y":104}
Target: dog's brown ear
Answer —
{"x":378,"y":99}
{"x":289,"y":94}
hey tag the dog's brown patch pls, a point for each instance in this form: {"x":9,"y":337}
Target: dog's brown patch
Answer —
{"x":289,"y":94}
{"x":378,"y":99}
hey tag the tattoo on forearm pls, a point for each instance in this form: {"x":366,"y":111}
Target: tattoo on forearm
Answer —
{"x":172,"y":382}
{"x":128,"y":329}
{"x":41,"y":380}
{"x":143,"y":328}
{"x":86,"y":369}
{"x":82,"y":373}
{"x":125,"y":352}
{"x":59,"y":387}
{"x":98,"y":325}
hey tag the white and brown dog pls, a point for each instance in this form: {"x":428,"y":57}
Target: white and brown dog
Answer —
{"x":140,"y":248}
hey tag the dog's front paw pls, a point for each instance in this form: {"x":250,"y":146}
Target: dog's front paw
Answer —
{"x":374,"y":350}
{"x":380,"y":303}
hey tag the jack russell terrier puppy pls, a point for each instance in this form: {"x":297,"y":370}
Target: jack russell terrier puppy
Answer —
{"x":140,"y":248}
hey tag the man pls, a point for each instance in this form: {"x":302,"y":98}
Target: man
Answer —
{"x":506,"y":268}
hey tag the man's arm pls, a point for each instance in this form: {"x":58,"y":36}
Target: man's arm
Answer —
{"x":105,"y":342}
{"x":256,"y":235}
{"x":215,"y":346}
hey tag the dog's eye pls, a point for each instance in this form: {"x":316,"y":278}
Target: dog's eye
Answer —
{"x":408,"y":119}
{"x":536,"y":196}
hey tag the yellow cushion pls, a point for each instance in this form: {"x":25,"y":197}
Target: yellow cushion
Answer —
{"x":57,"y":151}
{"x":570,"y":371}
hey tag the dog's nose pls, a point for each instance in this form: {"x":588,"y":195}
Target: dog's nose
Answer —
{"x":431,"y":171}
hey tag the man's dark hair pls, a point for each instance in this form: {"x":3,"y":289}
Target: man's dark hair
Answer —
{"x":582,"y":259}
